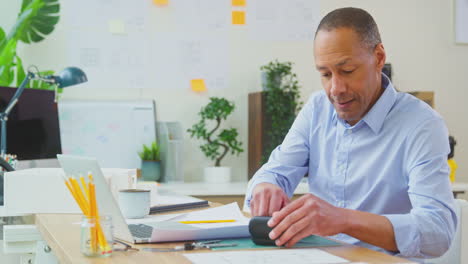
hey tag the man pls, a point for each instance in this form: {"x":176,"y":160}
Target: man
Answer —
{"x":376,"y":159}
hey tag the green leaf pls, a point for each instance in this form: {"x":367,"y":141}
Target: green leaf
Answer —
{"x":151,"y":152}
{"x":7,"y":55}
{"x":37,"y":19}
{"x":3,"y":38}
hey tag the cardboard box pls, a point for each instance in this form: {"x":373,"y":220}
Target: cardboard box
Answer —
{"x":427,"y":97}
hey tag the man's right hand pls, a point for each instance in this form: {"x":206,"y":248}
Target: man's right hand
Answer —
{"x":267,"y":198}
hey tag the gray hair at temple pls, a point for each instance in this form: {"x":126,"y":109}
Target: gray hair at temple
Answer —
{"x":354,"y":18}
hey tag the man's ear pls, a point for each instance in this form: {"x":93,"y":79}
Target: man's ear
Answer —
{"x":380,"y":56}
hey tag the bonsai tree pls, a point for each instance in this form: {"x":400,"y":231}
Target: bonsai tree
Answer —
{"x":282,"y":102}
{"x":218,"y":143}
{"x":150,"y":153}
{"x":36,"y":19}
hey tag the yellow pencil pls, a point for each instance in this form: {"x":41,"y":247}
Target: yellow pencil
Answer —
{"x":70,"y":188}
{"x":86,"y":200}
{"x":85,"y":187}
{"x":207,"y":221}
{"x":94,"y":219}
{"x":80,"y":195}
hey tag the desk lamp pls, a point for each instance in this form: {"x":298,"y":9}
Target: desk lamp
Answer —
{"x":68,"y":77}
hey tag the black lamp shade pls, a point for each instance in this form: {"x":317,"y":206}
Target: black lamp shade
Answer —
{"x":70,"y":76}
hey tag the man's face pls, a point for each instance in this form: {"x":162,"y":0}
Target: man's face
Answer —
{"x":350,"y":72}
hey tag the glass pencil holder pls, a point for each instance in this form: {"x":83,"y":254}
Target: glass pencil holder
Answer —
{"x":97,"y":236}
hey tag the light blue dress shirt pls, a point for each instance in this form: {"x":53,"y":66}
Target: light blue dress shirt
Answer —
{"x":393,"y":162}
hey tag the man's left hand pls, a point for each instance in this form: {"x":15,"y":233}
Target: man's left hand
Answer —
{"x":308,"y":215}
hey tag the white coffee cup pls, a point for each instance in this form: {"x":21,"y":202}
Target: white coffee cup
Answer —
{"x":134,"y":203}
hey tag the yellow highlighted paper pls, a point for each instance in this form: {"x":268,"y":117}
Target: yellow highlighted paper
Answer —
{"x":238,"y":17}
{"x":238,"y":2}
{"x":161,"y":2}
{"x":198,"y":85}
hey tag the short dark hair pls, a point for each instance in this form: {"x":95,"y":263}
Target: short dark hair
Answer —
{"x":354,"y":18}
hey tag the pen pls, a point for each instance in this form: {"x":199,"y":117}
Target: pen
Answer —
{"x":207,"y":221}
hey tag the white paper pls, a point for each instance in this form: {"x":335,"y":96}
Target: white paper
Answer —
{"x":172,"y":230}
{"x":180,"y":57}
{"x":282,"y":20}
{"x":281,"y":256}
{"x":202,"y":14}
{"x":175,"y":199}
{"x":226,"y":212}
{"x":95,"y":14}
{"x":152,"y":219}
{"x":461,"y":21}
{"x":121,"y":60}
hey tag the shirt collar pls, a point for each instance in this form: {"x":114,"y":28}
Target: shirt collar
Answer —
{"x":379,"y":111}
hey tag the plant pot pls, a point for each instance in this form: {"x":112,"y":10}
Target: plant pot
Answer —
{"x":217,"y":174}
{"x":150,"y":170}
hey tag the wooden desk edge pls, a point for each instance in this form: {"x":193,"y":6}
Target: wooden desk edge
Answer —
{"x":347,"y":251}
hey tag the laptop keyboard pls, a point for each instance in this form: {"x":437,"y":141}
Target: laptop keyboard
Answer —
{"x":140,"y":230}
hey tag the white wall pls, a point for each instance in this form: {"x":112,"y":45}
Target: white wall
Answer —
{"x":417,"y":34}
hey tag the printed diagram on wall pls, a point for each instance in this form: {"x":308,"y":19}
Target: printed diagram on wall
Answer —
{"x":279,"y":20}
{"x":196,"y":56}
{"x":201,"y":15}
{"x":144,"y":45}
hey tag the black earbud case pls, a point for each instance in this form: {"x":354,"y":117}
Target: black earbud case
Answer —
{"x":259,"y":230}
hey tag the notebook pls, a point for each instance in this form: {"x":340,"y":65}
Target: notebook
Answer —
{"x":147,"y":231}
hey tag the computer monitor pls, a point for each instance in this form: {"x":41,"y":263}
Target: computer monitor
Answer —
{"x":33,"y":125}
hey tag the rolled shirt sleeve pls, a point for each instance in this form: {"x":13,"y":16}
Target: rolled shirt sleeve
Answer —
{"x":427,"y":230}
{"x":288,"y":163}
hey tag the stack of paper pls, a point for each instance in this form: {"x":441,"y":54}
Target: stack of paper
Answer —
{"x":169,"y":228}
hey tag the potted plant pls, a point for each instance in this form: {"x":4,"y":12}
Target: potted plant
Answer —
{"x":217,"y":143}
{"x":282,"y":103}
{"x":150,"y":162}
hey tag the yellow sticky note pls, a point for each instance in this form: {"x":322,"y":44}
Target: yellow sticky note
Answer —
{"x":161,"y":2}
{"x":116,"y":26}
{"x":198,"y":85}
{"x":238,"y":17}
{"x":238,"y":2}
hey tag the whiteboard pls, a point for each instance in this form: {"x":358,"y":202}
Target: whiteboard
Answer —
{"x":111,"y":131}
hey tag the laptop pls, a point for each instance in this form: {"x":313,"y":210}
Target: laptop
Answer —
{"x":147,"y":232}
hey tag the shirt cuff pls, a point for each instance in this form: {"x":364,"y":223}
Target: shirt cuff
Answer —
{"x":406,"y":234}
{"x":252,"y":183}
